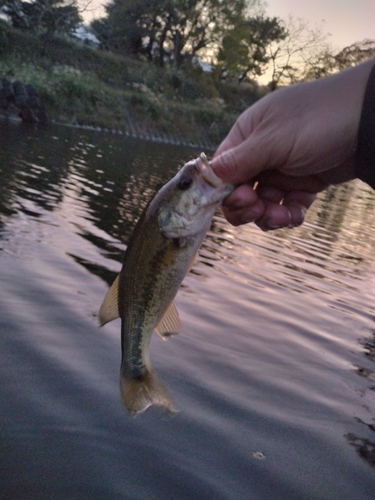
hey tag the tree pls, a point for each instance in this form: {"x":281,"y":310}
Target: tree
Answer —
{"x":126,"y":24}
{"x":298,"y":50}
{"x":168,"y":30}
{"x":329,"y":63}
{"x":244,"y":49}
{"x":43,"y":17}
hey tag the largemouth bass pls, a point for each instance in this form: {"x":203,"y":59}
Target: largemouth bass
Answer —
{"x":160,"y":252}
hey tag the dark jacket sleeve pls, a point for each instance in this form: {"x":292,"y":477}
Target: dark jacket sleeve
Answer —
{"x":365,"y":155}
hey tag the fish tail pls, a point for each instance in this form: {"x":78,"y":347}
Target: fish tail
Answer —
{"x":141,"y":392}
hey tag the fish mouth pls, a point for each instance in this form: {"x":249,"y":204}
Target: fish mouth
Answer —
{"x":205,"y":170}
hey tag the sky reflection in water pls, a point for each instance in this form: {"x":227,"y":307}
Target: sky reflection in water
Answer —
{"x":273,"y":372}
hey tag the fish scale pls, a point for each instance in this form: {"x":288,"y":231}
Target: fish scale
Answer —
{"x":160,"y":252}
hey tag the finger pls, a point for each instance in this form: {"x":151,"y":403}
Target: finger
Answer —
{"x":244,"y":215}
{"x":240,"y":163}
{"x":290,"y":213}
{"x":270,"y":194}
{"x":262,"y":205}
{"x":310,"y":183}
{"x":275,"y":216}
{"x":241,"y":197}
{"x":243,"y":206}
{"x":298,"y":202}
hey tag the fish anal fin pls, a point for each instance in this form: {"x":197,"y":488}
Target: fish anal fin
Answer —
{"x":109,"y":308}
{"x":170,"y":323}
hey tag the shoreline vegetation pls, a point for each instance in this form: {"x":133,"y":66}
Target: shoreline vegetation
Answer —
{"x":82,"y":85}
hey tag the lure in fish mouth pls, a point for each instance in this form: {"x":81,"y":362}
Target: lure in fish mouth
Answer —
{"x":160,"y":252}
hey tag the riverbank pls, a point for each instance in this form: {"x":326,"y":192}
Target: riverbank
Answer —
{"x":82,"y":85}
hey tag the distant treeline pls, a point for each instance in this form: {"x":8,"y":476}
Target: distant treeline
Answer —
{"x":236,"y":38}
{"x":180,"y":70}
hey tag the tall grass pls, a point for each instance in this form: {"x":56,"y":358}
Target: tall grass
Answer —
{"x":84,"y":85}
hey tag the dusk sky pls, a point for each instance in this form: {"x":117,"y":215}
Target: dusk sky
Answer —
{"x":348,"y":21}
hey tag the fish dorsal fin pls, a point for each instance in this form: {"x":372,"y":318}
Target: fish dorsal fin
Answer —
{"x":170,"y":323}
{"x":109,"y":308}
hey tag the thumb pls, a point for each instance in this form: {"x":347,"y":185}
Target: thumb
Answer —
{"x":239,"y":164}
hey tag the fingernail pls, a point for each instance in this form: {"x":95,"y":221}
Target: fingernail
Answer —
{"x":273,"y":225}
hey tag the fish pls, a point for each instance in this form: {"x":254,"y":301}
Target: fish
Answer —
{"x":161,"y":250}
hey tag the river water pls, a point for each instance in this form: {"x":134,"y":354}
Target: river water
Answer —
{"x":273,"y":373}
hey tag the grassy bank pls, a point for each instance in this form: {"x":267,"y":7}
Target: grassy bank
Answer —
{"x":82,"y":85}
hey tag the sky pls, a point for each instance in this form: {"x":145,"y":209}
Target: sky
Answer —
{"x":347,"y":21}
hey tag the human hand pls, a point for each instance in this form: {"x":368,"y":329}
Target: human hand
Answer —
{"x":289,"y":146}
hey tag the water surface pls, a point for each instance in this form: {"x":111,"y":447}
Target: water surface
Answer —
{"x":273,"y":372}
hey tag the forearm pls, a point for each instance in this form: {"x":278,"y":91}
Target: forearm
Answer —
{"x":365,"y":154}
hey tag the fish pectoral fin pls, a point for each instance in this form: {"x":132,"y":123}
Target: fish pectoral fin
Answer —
{"x":170,"y":323}
{"x":109,"y":308}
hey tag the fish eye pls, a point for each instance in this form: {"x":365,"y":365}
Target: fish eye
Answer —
{"x":185,"y":183}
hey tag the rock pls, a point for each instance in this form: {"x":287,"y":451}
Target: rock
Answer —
{"x":25,"y":99}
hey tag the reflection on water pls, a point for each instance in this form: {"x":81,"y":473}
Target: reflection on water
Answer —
{"x":275,"y":361}
{"x":365,"y":446}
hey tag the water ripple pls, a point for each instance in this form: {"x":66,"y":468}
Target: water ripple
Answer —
{"x":273,"y":371}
